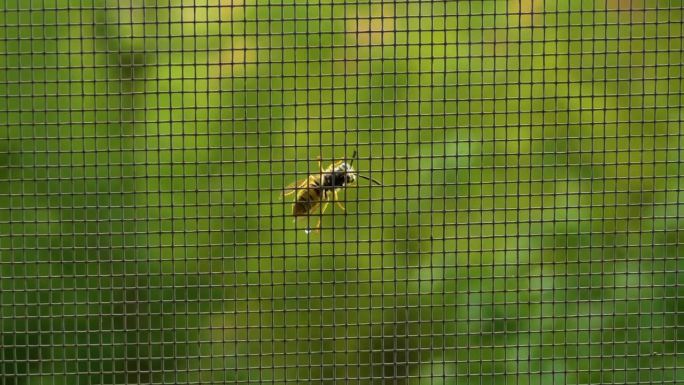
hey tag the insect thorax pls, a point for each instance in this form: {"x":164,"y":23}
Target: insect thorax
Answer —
{"x":338,"y":177}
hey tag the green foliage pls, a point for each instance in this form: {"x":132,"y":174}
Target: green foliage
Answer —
{"x":528,"y":228}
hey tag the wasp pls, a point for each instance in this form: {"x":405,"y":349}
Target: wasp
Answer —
{"x":317,"y":190}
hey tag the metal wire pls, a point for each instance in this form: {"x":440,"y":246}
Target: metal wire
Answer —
{"x":527,"y":231}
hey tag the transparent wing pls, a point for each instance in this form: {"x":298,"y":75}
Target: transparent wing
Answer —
{"x":294,"y":186}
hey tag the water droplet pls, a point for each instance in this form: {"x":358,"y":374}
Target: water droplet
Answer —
{"x":307,"y":230}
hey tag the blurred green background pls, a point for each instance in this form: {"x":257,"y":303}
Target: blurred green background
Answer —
{"x":528,"y":228}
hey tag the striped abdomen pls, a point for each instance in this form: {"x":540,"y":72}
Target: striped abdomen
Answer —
{"x":309,"y":198}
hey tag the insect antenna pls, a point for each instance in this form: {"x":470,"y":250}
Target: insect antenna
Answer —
{"x":369,"y":179}
{"x":363,"y":176}
{"x":352,"y":158}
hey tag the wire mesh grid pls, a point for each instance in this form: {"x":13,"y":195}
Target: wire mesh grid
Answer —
{"x":527,"y":229}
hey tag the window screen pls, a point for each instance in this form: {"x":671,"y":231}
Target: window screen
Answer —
{"x":526,"y":228}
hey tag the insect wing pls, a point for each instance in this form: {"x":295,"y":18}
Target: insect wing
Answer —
{"x":294,"y":186}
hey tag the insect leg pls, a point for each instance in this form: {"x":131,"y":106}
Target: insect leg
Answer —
{"x":320,"y":217}
{"x":336,"y":198}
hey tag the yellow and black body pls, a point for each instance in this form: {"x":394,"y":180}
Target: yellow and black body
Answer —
{"x":316,"y":191}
